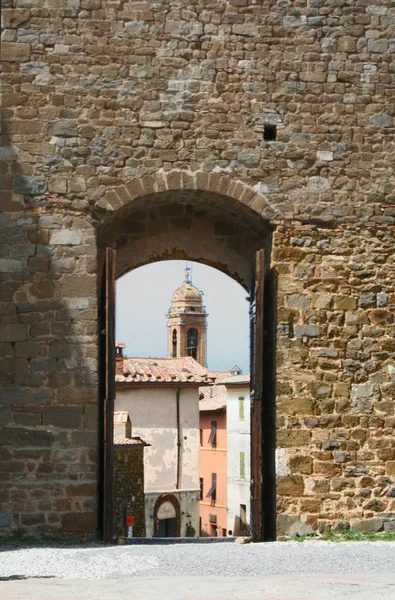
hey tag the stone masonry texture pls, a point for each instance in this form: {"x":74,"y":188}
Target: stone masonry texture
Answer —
{"x":143,"y":125}
{"x":129,"y":489}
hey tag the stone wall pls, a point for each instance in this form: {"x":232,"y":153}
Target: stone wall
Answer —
{"x":110,"y":109}
{"x":336,"y":377}
{"x":129,"y":487}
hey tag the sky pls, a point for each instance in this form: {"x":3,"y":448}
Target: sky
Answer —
{"x":143,"y":298}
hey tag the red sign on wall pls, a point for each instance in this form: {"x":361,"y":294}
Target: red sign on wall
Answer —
{"x":130,"y":520}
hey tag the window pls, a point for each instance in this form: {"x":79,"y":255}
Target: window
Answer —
{"x":201,"y":437}
{"x":201,"y":488}
{"x":192,"y":343}
{"x":212,"y":493}
{"x":269,"y":132}
{"x":243,"y":514}
{"x":213,"y":435}
{"x":174,"y":344}
{"x":241,"y":408}
{"x":242,"y":465}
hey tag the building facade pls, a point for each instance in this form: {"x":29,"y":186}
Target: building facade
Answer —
{"x":129,"y":503}
{"x":239,"y":452}
{"x":200,"y":131}
{"x":213,"y":464}
{"x":161,"y":397}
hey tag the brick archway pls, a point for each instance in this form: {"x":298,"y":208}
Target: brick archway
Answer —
{"x":163,"y":181}
{"x":205,"y":217}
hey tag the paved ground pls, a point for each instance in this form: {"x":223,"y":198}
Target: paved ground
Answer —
{"x":276,"y":571}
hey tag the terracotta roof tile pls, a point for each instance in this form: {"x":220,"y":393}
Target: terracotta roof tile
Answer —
{"x":136,"y":441}
{"x":237,"y":379}
{"x":164,"y":370}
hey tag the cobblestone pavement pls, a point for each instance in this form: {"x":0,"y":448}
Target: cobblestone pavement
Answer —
{"x":277,"y":571}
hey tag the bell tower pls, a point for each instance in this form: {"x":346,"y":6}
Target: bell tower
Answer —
{"x":187,"y":323}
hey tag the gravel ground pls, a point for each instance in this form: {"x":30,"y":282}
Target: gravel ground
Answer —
{"x":223,"y":560}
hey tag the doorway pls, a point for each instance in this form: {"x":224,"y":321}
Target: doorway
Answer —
{"x":219,"y":231}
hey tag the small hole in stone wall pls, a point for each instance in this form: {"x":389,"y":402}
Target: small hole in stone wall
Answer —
{"x":269,"y":132}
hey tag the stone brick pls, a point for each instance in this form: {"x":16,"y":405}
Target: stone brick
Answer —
{"x":85,"y":522}
{"x":293,"y":437}
{"x":66,"y":237}
{"x":307,"y":331}
{"x":62,"y":128}
{"x":367,"y":525}
{"x":67,"y":417}
{"x":13,"y":17}
{"x":301,"y":464}
{"x":33,"y":186}
{"x":290,"y":486}
{"x":15,"y":52}
{"x":13,"y":333}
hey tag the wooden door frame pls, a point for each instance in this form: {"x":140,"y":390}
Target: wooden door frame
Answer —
{"x":107,"y":396}
{"x":262,"y":396}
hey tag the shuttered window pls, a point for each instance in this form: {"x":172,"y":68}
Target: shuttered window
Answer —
{"x":212,"y":493}
{"x":213,"y":435}
{"x":242,"y":465}
{"x":241,"y":408}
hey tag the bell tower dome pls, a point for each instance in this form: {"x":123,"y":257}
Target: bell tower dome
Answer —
{"x":187,"y":323}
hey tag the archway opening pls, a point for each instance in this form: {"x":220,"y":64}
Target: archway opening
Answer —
{"x":193,"y":415}
{"x":209,"y":228}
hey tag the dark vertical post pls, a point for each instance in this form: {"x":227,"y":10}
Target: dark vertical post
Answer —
{"x":108,"y":394}
{"x":263,"y":394}
{"x":269,"y":409}
{"x":256,"y":341}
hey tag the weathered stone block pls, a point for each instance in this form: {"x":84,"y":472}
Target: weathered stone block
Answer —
{"x":67,"y":417}
{"x":345,"y":303}
{"x":66,"y":237}
{"x":183,"y":28}
{"x":5,"y":520}
{"x":367,"y":525}
{"x":381,"y":120}
{"x":34,"y":186}
{"x":301,"y":464}
{"x":77,"y":521}
{"x":299,"y":301}
{"x":13,"y":333}
{"x":15,"y":52}
{"x":63,"y":128}
{"x":13,"y":17}
{"x":307,"y":331}
{"x":9,"y":265}
{"x":290,"y":486}
{"x":293,"y":437}
{"x":245,"y":29}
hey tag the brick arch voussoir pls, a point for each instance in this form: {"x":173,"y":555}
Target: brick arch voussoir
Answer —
{"x":163,"y":181}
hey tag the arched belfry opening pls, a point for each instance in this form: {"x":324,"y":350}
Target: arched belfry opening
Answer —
{"x":224,"y":232}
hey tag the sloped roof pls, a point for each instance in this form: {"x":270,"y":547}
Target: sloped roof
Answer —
{"x":236,"y":379}
{"x":135,"y":441}
{"x":164,"y":370}
{"x":213,"y":397}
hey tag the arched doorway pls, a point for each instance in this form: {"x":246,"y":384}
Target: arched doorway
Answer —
{"x":223,"y":224}
{"x":167,"y":516}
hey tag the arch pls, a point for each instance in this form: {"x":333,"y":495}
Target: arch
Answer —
{"x":164,"y":181}
{"x":171,"y":498}
{"x":192,"y":342}
{"x":174,"y":343}
{"x":187,"y":224}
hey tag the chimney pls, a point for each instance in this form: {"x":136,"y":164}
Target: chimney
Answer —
{"x":122,"y":425}
{"x":119,"y":347}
